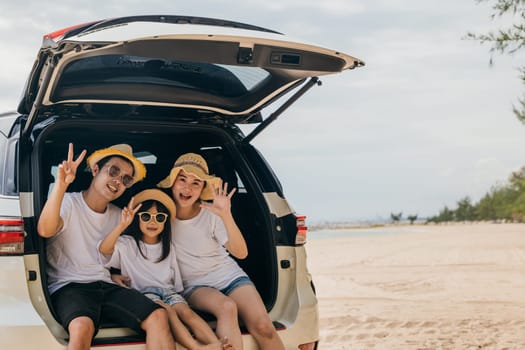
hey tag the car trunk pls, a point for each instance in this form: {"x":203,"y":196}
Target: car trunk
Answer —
{"x":167,"y":85}
{"x":157,"y":141}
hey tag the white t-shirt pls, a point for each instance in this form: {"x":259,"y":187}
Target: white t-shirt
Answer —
{"x":146,"y":272}
{"x":203,"y":260}
{"x":72,"y":254}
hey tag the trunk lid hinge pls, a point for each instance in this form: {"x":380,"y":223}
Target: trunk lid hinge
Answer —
{"x":39,"y":97}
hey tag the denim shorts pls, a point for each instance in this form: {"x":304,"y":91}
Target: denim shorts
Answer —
{"x":166,"y":295}
{"x":239,"y":281}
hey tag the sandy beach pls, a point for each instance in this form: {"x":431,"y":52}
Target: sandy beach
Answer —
{"x":456,"y":286}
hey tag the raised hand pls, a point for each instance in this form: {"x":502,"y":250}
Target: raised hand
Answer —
{"x":221,"y":200}
{"x":107,"y":246}
{"x":128,"y":213}
{"x":67,"y":170}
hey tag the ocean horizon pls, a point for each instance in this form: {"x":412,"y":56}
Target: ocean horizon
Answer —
{"x":360,"y":232}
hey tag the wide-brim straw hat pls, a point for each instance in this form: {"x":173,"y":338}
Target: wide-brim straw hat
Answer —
{"x":122,"y":150}
{"x":193,"y":164}
{"x":157,"y":195}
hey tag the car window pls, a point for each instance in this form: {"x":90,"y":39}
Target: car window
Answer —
{"x":8,"y":166}
{"x":240,"y":185}
{"x":221,"y":80}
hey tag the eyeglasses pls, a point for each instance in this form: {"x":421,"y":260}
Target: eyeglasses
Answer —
{"x":114,"y":171}
{"x":146,"y":216}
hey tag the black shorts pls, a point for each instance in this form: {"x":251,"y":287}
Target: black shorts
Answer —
{"x":102,"y":300}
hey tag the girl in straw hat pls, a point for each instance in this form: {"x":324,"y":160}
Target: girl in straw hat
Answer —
{"x":146,"y":256}
{"x":204,"y":235}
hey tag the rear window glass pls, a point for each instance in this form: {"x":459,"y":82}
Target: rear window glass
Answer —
{"x":219,"y":80}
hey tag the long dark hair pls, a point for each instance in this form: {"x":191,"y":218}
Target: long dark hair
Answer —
{"x":134,"y":231}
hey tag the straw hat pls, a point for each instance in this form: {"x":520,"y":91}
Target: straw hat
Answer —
{"x":193,"y":164}
{"x":157,"y":195}
{"x":122,"y":150}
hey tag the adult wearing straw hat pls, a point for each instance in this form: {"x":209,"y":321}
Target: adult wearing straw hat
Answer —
{"x":81,"y":288}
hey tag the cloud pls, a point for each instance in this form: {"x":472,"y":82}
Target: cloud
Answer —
{"x":426,"y":122}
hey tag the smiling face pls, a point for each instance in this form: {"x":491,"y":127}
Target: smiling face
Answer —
{"x":106,"y":183}
{"x":151,"y":229}
{"x":186,"y":189}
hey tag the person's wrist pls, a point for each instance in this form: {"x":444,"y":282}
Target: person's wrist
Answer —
{"x":61,"y":185}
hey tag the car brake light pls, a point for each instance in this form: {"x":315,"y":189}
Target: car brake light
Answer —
{"x":308,"y":346}
{"x":302,"y":229}
{"x":11,"y":236}
{"x":59,"y":34}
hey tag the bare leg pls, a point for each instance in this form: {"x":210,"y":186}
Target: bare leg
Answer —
{"x":198,"y":326}
{"x":158,"y":334}
{"x":224,"y":309}
{"x":81,"y":331}
{"x":256,"y":318}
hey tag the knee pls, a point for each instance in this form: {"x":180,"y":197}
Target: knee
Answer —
{"x":157,"y":318}
{"x":186,"y":313}
{"x":228,"y":307}
{"x":81,"y":327}
{"x":262,"y":326}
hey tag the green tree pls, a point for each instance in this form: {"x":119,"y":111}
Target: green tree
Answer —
{"x":396,"y":217}
{"x":412,"y":218}
{"x":486,"y":207}
{"x":465,"y":210}
{"x":507,"y":40}
{"x":444,"y":215}
{"x":518,"y":208}
{"x":503,"y":202}
{"x":517,"y":180}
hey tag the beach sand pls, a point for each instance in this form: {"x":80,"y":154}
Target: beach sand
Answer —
{"x":458,"y":286}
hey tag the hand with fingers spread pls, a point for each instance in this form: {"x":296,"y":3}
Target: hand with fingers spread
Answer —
{"x":107,"y":246}
{"x":128,"y":213}
{"x":221,"y":204}
{"x":50,"y":221}
{"x":67,"y":170}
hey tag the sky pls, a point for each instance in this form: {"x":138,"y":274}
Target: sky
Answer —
{"x":425,"y":123}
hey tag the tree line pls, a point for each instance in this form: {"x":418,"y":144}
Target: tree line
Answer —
{"x":503,"y":202}
{"x":506,"y":201}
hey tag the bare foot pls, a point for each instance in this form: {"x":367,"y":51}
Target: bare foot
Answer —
{"x":226,"y":344}
{"x":214,"y":346}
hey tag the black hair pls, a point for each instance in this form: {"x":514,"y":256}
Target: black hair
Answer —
{"x":134,"y":231}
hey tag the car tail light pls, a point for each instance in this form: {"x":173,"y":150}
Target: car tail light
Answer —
{"x":11,"y":236}
{"x":59,"y":34}
{"x":308,"y":346}
{"x":302,"y":230}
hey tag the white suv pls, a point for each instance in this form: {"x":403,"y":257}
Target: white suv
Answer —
{"x":166,"y":85}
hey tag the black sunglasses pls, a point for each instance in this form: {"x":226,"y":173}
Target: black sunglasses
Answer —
{"x":114,"y":171}
{"x":145,"y":216}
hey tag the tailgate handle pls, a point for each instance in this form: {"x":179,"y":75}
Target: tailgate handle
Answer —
{"x":245,"y":55}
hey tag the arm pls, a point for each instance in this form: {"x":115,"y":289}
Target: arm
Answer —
{"x":50,"y":221}
{"x":221,"y":206}
{"x":107,"y":246}
{"x":236,"y":244}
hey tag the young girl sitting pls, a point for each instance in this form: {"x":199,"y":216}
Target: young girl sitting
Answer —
{"x":204,"y":235}
{"x":146,"y":255}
